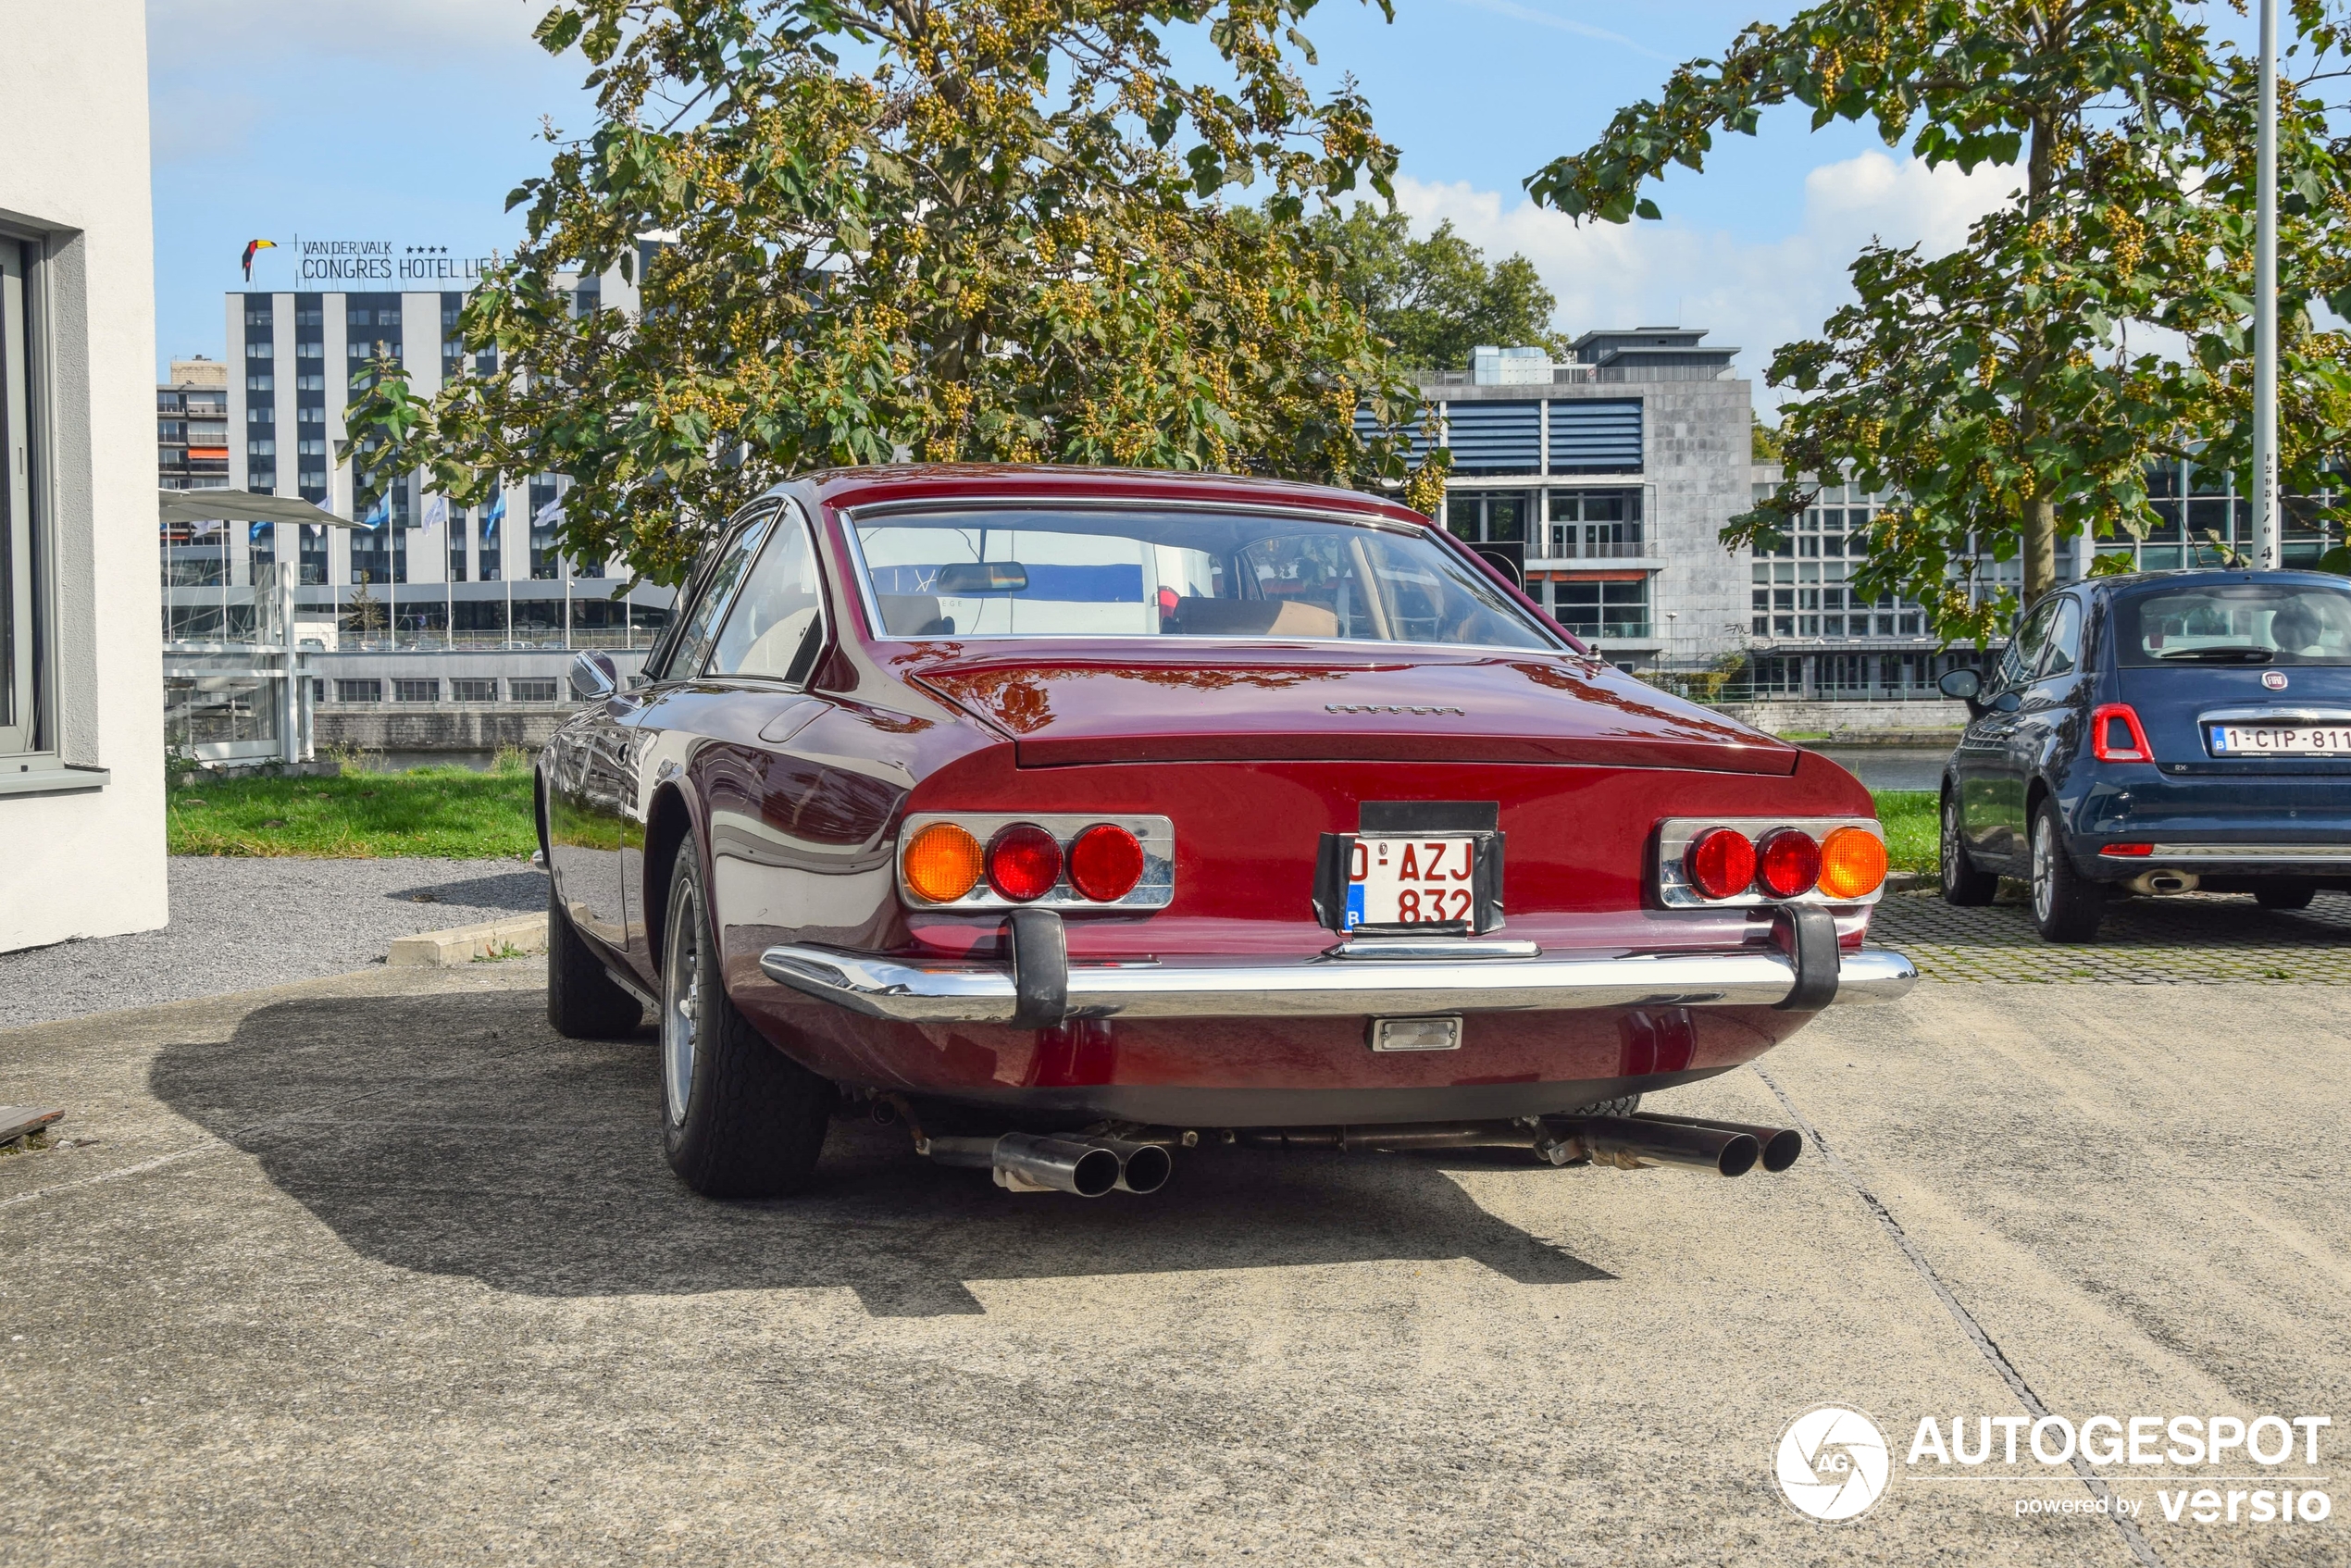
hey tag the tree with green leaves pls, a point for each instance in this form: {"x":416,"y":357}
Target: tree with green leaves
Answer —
{"x":2015,"y":390}
{"x":955,"y":230}
{"x":1434,"y":299}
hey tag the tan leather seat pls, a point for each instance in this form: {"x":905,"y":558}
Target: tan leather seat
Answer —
{"x":1253,"y":617}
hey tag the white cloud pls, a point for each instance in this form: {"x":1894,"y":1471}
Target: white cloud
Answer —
{"x":1754,"y":293}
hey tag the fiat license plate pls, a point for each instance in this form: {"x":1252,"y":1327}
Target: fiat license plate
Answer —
{"x":1422,"y":880}
{"x":2282,"y":739}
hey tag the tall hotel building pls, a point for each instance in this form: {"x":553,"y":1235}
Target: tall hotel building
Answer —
{"x":428,"y":577}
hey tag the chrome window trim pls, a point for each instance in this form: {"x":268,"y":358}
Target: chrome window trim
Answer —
{"x":1674,"y":834}
{"x":1156,"y":891}
{"x":785,"y":505}
{"x":850,"y":517}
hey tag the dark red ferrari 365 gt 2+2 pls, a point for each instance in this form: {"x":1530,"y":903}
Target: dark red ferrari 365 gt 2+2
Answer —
{"x":1080,"y":817}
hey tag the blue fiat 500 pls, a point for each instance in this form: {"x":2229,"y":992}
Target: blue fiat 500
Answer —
{"x":2159,"y":734}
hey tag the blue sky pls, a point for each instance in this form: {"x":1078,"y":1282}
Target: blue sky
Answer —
{"x":410,"y":122}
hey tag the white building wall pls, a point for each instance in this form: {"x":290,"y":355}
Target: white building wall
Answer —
{"x":89,"y":862}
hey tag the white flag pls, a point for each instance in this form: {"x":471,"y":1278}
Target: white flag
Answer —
{"x":436,"y":511}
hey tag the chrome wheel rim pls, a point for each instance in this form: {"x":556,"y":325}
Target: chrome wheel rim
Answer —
{"x":680,"y":1005}
{"x":2043,"y":868}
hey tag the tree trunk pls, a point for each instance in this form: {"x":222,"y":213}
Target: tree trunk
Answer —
{"x":2039,"y":520}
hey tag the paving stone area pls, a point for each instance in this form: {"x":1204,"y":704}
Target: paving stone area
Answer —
{"x":2196,"y":938}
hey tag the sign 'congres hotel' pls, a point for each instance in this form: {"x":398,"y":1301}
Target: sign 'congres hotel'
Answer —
{"x":359,"y":261}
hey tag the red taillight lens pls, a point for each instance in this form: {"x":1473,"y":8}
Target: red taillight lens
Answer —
{"x":2132,"y":851}
{"x":1720,"y":863}
{"x":1024,"y":861}
{"x":1787,"y":863}
{"x":1105,"y":862}
{"x":2115,"y":736}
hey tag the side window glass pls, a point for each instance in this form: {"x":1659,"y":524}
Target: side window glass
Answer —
{"x":701,"y":621}
{"x":772,"y":627}
{"x":2023,"y":657}
{"x":2065,"y":640}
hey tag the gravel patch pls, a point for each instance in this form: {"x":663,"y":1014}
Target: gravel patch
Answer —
{"x":237,"y":924}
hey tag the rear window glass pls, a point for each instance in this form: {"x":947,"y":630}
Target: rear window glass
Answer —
{"x":1033,"y":573}
{"x":2236,"y":623}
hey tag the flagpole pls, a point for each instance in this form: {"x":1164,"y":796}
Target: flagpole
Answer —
{"x":2265,"y":308}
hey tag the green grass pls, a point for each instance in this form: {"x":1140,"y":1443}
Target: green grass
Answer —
{"x":447,"y":813}
{"x":453,"y":812}
{"x":1913,"y":835}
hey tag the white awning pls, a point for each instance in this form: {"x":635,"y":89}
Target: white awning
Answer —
{"x":244,"y":506}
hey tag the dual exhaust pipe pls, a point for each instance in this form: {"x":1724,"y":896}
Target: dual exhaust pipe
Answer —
{"x":1028,"y":1162}
{"x":1730,"y":1149}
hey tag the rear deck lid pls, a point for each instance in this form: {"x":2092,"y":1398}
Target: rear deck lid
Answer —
{"x":1502,"y":708}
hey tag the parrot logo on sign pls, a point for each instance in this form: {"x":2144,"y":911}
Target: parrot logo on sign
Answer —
{"x":253,"y":247}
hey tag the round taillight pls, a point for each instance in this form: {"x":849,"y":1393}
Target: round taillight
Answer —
{"x":1024,"y":861}
{"x":1105,"y":862}
{"x":1787,"y":863}
{"x":942,"y":862}
{"x":1852,"y":863}
{"x":1720,"y":863}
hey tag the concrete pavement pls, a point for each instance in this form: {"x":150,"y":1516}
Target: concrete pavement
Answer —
{"x":375,"y":1269}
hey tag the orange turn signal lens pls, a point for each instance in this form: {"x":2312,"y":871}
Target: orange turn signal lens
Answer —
{"x":943,"y":863}
{"x":1852,"y":864}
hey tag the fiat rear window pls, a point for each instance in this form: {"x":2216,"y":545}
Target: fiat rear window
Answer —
{"x":2236,"y":623}
{"x":1031,"y":573}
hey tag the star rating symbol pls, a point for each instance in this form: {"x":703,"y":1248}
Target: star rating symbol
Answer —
{"x":428,"y":250}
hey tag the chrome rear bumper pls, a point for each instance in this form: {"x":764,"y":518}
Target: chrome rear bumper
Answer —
{"x":1326,"y":987}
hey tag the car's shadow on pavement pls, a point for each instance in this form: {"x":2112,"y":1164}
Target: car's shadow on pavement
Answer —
{"x":454,"y":1134}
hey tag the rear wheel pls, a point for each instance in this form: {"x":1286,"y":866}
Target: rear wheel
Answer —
{"x":739,"y":1119}
{"x":2284,"y":895}
{"x":582,"y":1002}
{"x":2066,"y":905}
{"x":1962,"y":883}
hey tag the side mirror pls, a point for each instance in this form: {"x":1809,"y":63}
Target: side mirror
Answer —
{"x":1964,"y":684}
{"x":593,"y":676}
{"x":2006,"y":702}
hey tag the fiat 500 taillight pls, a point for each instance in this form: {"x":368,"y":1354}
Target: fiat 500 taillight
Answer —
{"x":1727,"y":862}
{"x":1057,"y":860}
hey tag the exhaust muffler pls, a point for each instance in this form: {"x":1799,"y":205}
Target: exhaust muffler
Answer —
{"x":1028,"y":1162}
{"x":2164,"y":884}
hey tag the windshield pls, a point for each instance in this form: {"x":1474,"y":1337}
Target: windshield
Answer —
{"x":2237,"y":623}
{"x":1024,"y":572}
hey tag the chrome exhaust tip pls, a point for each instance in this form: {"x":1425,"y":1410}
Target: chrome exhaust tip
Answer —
{"x":1781,"y":1147}
{"x":2164,"y":884}
{"x":1029,"y":1162}
{"x":1630,"y":1142}
{"x":1142,"y":1167}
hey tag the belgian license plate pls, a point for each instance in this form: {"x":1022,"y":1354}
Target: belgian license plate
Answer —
{"x":2282,"y":739}
{"x":1428,"y":880}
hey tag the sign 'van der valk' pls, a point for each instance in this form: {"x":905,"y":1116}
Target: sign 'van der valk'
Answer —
{"x":348,"y":261}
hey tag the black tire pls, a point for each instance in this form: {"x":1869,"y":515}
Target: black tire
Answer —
{"x":582,"y":1002}
{"x":2284,"y":895}
{"x":739,"y":1119}
{"x":2066,"y":905}
{"x":1962,"y":883}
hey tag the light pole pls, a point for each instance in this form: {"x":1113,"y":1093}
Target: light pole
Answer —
{"x":2265,"y":307}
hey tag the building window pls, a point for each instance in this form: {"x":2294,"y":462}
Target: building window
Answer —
{"x":1595,"y":524}
{"x":473,"y":689}
{"x":24,"y":672}
{"x":421,"y":690}
{"x":531,"y":690}
{"x":367,"y":689}
{"x":486,"y":530}
{"x":545,"y":564}
{"x":1593,"y":607}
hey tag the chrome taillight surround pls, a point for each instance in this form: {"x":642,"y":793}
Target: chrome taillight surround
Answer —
{"x":1156,"y":834}
{"x":1675,"y":834}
